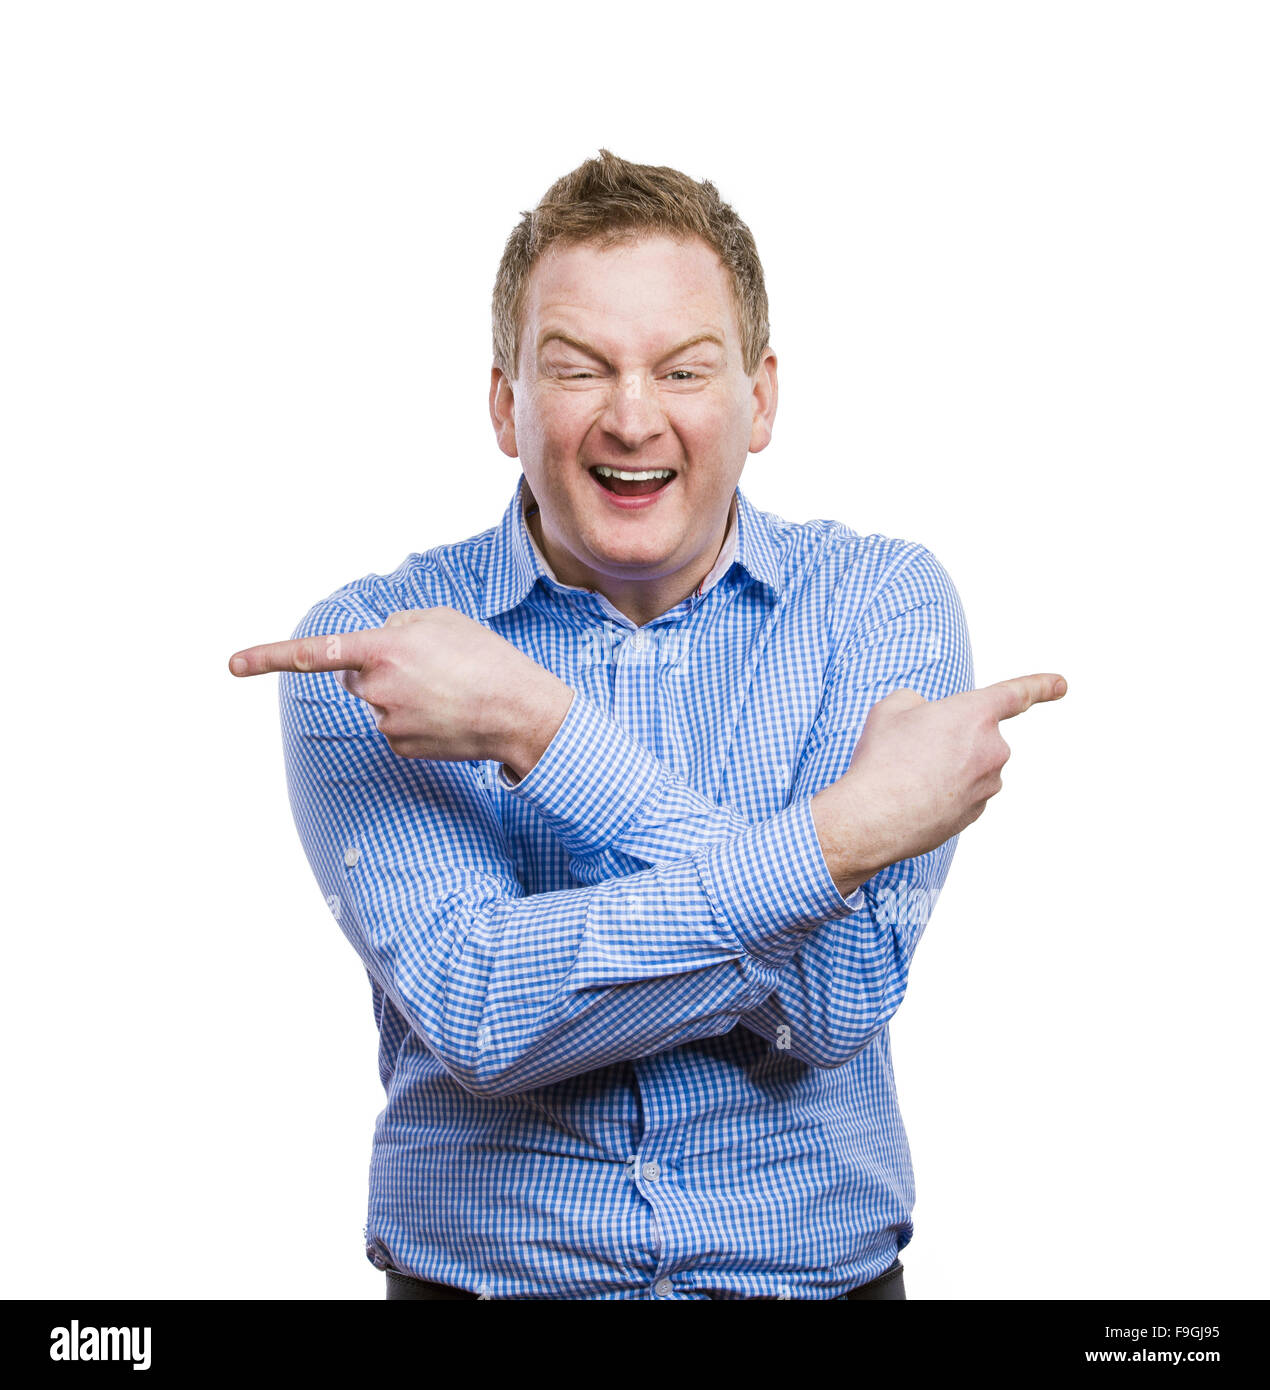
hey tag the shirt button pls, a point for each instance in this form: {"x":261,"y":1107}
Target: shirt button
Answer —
{"x":664,"y":1288}
{"x":652,"y":1172}
{"x":351,"y":856}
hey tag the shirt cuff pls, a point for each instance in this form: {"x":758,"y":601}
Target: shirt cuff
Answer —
{"x":592,"y":780}
{"x":771,"y":884}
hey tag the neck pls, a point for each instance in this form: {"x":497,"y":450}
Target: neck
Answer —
{"x":641,"y":600}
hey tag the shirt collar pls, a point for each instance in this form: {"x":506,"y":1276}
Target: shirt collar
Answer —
{"x":516,"y":564}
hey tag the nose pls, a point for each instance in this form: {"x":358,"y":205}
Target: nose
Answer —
{"x":633,"y":414}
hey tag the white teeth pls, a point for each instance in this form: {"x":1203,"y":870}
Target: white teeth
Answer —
{"x":634,"y":477}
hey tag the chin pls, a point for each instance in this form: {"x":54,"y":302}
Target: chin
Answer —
{"x":654,"y":554}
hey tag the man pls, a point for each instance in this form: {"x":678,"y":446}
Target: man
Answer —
{"x":635,"y":806}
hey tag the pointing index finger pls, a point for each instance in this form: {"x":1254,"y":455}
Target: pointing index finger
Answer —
{"x":338,"y":651}
{"x":1012,"y":697}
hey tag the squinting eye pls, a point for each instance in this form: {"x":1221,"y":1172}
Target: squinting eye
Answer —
{"x":682,"y":372}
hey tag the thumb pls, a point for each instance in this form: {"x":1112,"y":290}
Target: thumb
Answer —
{"x":903,"y":699}
{"x":406,"y":617}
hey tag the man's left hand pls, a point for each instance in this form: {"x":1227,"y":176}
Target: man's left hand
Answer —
{"x":441,"y":686}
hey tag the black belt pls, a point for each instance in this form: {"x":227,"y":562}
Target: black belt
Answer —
{"x":888,"y":1286}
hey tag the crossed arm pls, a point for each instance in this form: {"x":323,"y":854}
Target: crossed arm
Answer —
{"x":847,"y":977}
{"x":513,"y":991}
{"x":690,"y":920}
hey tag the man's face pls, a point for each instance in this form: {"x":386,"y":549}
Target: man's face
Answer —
{"x":630,"y":359}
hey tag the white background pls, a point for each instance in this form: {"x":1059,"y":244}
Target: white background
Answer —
{"x":1016,"y":256}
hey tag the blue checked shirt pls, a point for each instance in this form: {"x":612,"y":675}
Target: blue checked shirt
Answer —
{"x":634,"y":1041}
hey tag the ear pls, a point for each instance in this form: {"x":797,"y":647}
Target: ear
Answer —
{"x":764,"y":402}
{"x":502,"y":412}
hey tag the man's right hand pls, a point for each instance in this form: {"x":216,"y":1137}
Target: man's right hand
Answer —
{"x":922,"y":770}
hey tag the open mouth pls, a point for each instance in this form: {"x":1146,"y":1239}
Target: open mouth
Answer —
{"x":631,"y":482}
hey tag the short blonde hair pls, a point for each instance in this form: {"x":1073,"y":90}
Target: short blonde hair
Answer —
{"x":608,"y":201}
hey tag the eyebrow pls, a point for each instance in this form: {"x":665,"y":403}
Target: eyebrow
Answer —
{"x":557,"y":335}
